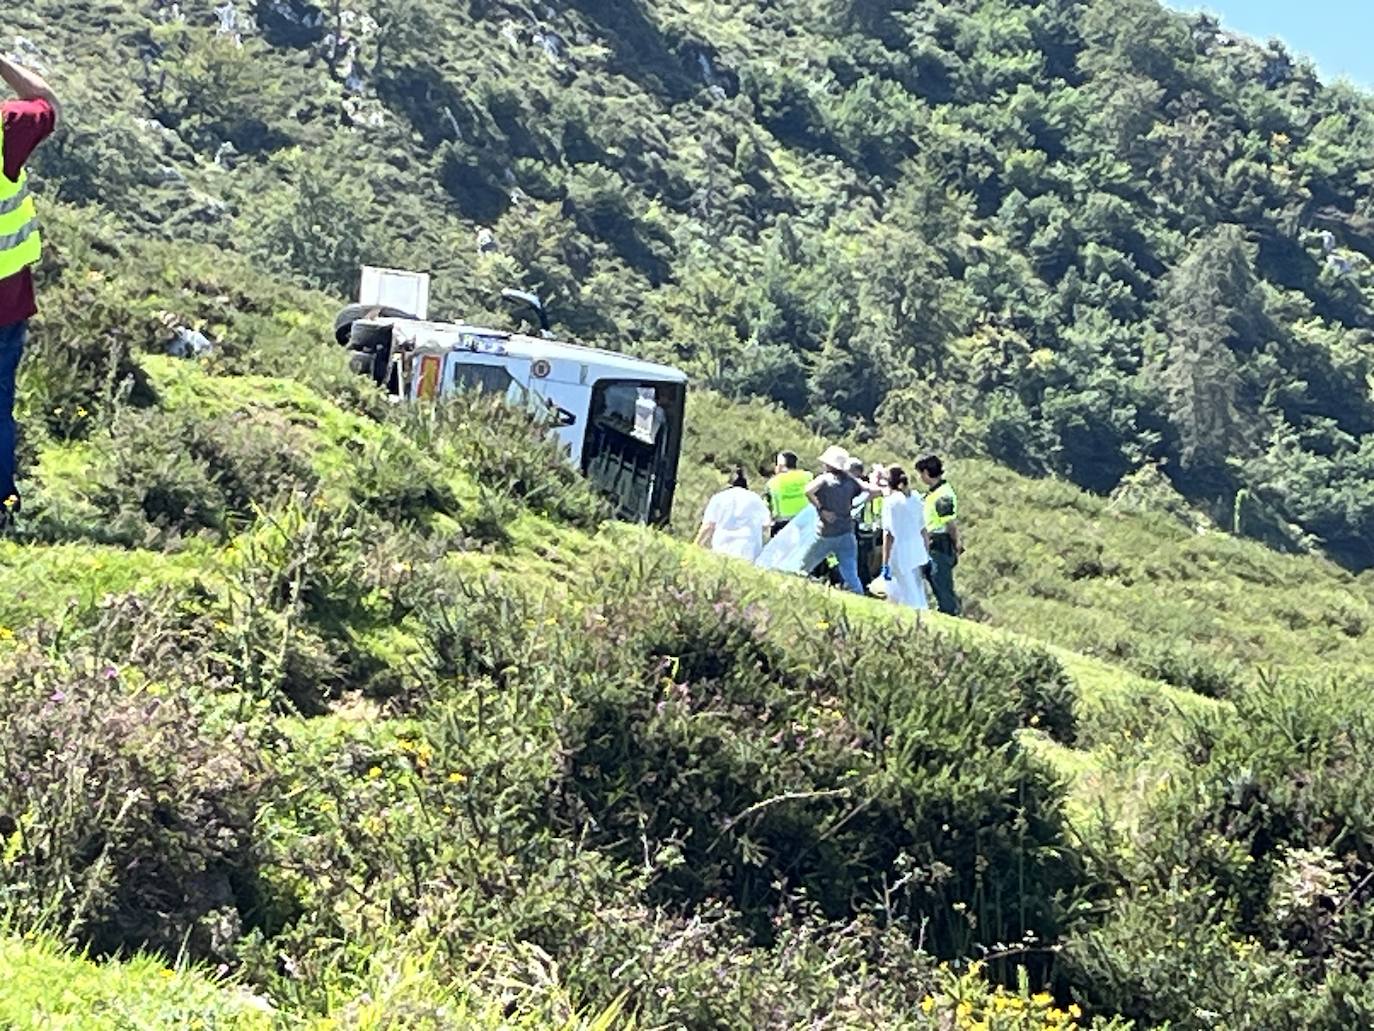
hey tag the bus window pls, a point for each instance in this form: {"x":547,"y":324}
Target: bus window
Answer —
{"x":490,"y":379}
{"x":497,"y":379}
{"x":634,"y":436}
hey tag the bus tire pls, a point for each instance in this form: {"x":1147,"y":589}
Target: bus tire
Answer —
{"x":343,"y":322}
{"x":363,"y":336}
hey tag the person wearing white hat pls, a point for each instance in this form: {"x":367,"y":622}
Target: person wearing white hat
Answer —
{"x":834,"y":494}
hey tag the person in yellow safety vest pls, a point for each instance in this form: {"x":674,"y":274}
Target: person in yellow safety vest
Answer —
{"x":873,"y":508}
{"x":787,"y":490}
{"x":942,"y":523}
{"x":24,"y":123}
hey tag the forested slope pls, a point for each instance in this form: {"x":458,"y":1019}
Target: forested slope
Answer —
{"x":1081,"y":236}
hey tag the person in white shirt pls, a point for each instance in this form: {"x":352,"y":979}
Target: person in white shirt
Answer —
{"x":906,"y":542}
{"x":736,"y":520}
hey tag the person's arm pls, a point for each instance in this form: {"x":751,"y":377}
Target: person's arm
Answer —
{"x":28,"y":85}
{"x":811,"y":489}
{"x":925,"y":536}
{"x":865,"y":490}
{"x":953,"y":531}
{"x":705,"y":534}
{"x":887,"y":547}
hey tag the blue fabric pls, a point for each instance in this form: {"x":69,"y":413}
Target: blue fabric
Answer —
{"x":12,"y":339}
{"x":845,"y":548}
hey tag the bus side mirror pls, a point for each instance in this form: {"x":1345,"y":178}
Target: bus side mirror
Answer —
{"x":557,"y":415}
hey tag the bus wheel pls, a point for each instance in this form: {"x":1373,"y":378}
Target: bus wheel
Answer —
{"x":343,"y":322}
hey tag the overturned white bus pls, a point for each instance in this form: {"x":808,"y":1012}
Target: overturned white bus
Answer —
{"x":619,"y":418}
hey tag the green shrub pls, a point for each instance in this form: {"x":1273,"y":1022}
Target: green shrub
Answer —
{"x":79,"y":365}
{"x":1174,"y":957}
{"x":436,"y":841}
{"x":784,"y":750}
{"x":506,"y":451}
{"x":293,"y":580}
{"x":1246,"y":894}
{"x":668,"y":789}
{"x":158,"y":476}
{"x":1189,"y":667}
{"x":128,"y":804}
{"x":397,"y":482}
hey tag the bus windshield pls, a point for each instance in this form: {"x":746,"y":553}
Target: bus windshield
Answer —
{"x":634,"y":437}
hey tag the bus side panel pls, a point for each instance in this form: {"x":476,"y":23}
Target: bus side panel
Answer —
{"x":574,"y":399}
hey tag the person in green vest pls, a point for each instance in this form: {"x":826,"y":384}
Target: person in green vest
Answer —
{"x":872,"y":515}
{"x":25,"y":121}
{"x":946,"y":544}
{"x":786,"y":490}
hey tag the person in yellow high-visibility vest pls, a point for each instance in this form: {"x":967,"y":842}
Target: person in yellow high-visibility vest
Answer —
{"x":24,"y":123}
{"x":787,"y":490}
{"x":942,"y":523}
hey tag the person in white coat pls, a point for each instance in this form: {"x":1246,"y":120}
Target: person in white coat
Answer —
{"x":736,"y":520}
{"x":906,"y":542}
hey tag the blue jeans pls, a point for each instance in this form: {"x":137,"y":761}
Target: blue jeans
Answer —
{"x":845,"y":548}
{"x":11,"y":348}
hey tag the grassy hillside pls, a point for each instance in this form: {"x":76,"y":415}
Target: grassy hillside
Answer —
{"x":1088,"y":237}
{"x":367,"y":710}
{"x":1138,"y":579}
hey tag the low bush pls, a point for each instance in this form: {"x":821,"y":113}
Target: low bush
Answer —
{"x":1175,"y":956}
{"x":398,"y":482}
{"x":158,"y":476}
{"x":1189,"y":667}
{"x":667,"y":789}
{"x":1246,"y":900}
{"x":507,"y":451}
{"x":80,"y":363}
{"x":127,"y":804}
{"x":851,"y":777}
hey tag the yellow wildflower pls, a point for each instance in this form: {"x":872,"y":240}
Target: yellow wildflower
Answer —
{"x":374,"y":773}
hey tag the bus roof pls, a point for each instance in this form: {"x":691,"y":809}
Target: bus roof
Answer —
{"x":606,"y":363}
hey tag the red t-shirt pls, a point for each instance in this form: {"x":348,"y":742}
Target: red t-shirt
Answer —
{"x":27,"y":124}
